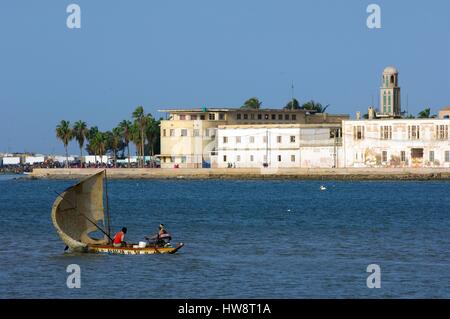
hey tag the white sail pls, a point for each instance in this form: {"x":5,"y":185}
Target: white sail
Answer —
{"x":75,"y":211}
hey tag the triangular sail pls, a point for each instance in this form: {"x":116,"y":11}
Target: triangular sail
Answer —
{"x":75,"y":211}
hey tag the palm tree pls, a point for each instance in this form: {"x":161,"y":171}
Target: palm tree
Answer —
{"x":125,"y":131}
{"x":92,"y":146}
{"x":314,"y":106}
{"x":115,"y":139}
{"x":141,"y":120}
{"x":425,"y":114}
{"x":152,"y":133}
{"x":252,"y":103}
{"x":64,"y":133}
{"x":135,"y":137}
{"x":293,"y":105}
{"x":80,"y":131}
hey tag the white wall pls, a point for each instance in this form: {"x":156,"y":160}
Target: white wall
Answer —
{"x":11,"y":160}
{"x":91,"y":159}
{"x":310,"y":146}
{"x":34,"y":159}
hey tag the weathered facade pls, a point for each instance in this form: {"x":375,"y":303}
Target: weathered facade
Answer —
{"x":396,"y":143}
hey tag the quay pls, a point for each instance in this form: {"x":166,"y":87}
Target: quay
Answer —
{"x":250,"y":173}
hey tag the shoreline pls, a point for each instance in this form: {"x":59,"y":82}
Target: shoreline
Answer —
{"x":249,"y":174}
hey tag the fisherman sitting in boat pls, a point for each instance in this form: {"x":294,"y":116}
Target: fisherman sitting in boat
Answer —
{"x":162,"y":239}
{"x":118,"y":240}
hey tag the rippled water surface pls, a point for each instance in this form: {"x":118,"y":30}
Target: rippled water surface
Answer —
{"x":244,"y":239}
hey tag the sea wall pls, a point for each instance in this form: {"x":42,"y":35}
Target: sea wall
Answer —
{"x":256,"y":173}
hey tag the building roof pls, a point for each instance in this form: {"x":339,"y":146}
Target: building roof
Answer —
{"x":447,"y":108}
{"x":253,"y":126}
{"x":225,"y":109}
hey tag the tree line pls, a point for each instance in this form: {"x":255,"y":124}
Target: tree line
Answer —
{"x":143,"y":131}
{"x":294,"y":104}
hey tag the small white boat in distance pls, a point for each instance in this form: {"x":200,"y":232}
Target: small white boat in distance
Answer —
{"x":323,"y":188}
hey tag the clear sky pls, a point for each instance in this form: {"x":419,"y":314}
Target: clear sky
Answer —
{"x":196,"y":53}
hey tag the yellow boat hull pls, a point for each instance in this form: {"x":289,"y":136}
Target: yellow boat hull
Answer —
{"x":107,"y":249}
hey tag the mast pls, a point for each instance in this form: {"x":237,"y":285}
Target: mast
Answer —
{"x":107,"y":219}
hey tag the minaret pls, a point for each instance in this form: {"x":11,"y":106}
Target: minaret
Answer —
{"x":390,"y":93}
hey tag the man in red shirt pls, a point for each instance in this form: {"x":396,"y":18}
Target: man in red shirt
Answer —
{"x":118,"y":240}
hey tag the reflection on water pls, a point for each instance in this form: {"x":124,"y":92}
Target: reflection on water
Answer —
{"x":244,"y":239}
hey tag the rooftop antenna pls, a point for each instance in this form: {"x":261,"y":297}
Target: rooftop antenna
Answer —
{"x":292,"y":91}
{"x":407,"y":104}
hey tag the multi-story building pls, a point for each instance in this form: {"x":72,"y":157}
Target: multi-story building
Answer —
{"x":396,"y":143}
{"x":279,"y":146}
{"x":189,"y":136}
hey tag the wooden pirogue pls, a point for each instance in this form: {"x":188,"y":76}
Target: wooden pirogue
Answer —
{"x":79,"y":211}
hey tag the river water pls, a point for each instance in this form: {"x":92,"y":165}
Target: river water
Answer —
{"x":244,"y":239}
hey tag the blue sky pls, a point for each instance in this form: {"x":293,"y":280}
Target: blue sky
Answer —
{"x":163,"y":54}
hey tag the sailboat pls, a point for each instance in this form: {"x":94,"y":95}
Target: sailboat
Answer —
{"x":79,"y":211}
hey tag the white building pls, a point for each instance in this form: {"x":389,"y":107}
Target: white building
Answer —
{"x":11,"y":160}
{"x":34,"y":159}
{"x":396,"y":143}
{"x":279,"y":146}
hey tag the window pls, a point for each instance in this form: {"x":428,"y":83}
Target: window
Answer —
{"x":274,"y":117}
{"x":252,"y":139}
{"x":182,"y":117}
{"x":431,"y":156}
{"x":252,"y":116}
{"x":239,"y":116}
{"x":221,"y":116}
{"x":266,"y":116}
{"x":386,"y":132}
{"x":279,"y":158}
{"x":280,"y":117}
{"x":286,"y":117}
{"x":238,"y":158}
{"x":335,"y":133}
{"x":184,"y":132}
{"x":224,"y":158}
{"x":212,"y":116}
{"x":442,"y":132}
{"x":292,"y":139}
{"x":193,"y":117}
{"x":196,"y":132}
{"x":172,"y":132}
{"x":212,"y":132}
{"x":206,"y":132}
{"x":251,"y":158}
{"x":292,"y":158}
{"x":202,"y":117}
{"x":164,"y":132}
{"x":358,"y":132}
{"x":413,"y":132}
{"x":294,"y":117}
{"x":278,"y":139}
{"x":245,"y":116}
{"x":447,"y":156}
{"x":238,"y":139}
{"x":225,"y":140}
{"x":384,"y":156}
{"x":403,"y":156}
{"x":259,"y":116}
{"x":183,"y":159}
